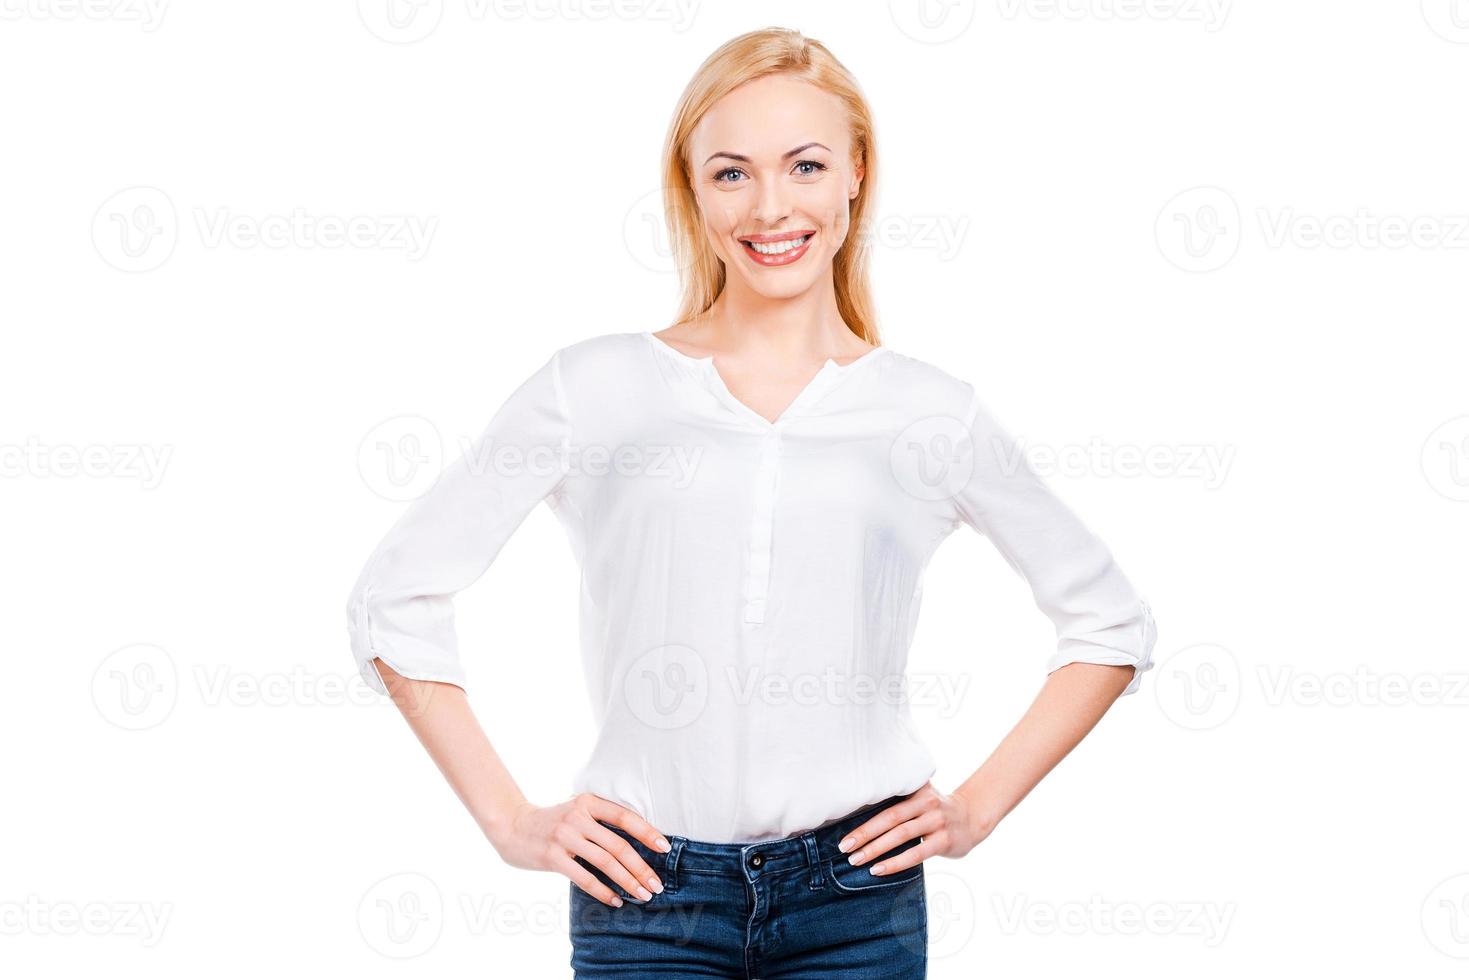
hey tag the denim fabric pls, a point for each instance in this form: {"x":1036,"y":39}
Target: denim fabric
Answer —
{"x":792,"y":908}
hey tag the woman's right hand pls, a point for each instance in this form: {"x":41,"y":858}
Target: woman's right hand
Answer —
{"x":551,"y":838}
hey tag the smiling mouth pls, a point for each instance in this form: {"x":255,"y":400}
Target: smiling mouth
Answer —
{"x":777,"y":249}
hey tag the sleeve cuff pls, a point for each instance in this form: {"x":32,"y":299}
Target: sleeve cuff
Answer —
{"x":1136,"y":653}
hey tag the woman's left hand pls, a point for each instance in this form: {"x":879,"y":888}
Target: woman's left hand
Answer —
{"x":950,"y":826}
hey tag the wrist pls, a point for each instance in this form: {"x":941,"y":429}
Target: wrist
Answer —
{"x":981,"y":816}
{"x":497,"y":824}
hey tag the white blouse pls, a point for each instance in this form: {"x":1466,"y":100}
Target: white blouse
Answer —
{"x":749,"y":588}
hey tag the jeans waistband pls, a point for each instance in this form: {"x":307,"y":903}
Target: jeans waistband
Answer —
{"x":758,"y":858}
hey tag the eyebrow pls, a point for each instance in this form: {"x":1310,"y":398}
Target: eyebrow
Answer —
{"x":784,"y":156}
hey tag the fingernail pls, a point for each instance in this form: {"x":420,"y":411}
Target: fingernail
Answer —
{"x":643,"y":893}
{"x":655,"y":884}
{"x":616,"y":902}
{"x":877,"y":869}
{"x":856,"y":858}
{"x":663,"y":845}
{"x":850,"y":841}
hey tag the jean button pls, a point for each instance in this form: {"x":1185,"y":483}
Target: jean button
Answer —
{"x":757,"y":860}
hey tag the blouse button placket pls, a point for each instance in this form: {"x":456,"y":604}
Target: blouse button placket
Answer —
{"x":762,"y":526}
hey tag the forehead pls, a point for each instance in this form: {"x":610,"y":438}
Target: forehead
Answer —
{"x":765,"y":117}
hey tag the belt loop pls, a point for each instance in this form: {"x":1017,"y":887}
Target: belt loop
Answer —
{"x":813,"y":858}
{"x":670,"y":870}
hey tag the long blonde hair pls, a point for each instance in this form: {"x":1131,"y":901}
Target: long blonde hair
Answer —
{"x":770,"y":51}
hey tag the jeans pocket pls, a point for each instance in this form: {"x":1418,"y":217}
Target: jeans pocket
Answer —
{"x":848,"y":877}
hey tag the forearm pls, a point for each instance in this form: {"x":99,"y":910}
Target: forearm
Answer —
{"x":1071,"y":702}
{"x":440,"y":716}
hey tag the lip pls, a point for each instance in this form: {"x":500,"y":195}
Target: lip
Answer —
{"x":785,"y":258}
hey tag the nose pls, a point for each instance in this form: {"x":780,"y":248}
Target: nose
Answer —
{"x":772,"y":204}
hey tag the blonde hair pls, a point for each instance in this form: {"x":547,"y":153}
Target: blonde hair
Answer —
{"x":769,"y":51}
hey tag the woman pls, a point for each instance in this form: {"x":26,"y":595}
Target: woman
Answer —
{"x":753,"y":495}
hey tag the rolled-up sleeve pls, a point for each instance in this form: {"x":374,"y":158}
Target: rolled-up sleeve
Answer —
{"x":1099,"y":617}
{"x":401,"y":608}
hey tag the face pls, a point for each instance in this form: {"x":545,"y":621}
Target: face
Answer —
{"x":771,"y":164}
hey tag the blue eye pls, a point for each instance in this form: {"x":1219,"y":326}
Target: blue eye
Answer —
{"x":811,"y":163}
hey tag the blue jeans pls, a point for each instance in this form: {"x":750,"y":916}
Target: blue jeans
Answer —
{"x":792,"y":908}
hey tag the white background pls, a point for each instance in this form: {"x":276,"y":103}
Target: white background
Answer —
{"x":195,"y":781}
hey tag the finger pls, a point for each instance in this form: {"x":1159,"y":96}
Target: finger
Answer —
{"x":925,"y":823}
{"x":628,"y":857}
{"x":604,"y":809}
{"x":906,"y":860}
{"x":594,"y":854}
{"x":586,"y":881}
{"x":880,"y":823}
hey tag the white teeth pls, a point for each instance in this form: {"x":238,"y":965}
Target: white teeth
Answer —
{"x":777,"y":248}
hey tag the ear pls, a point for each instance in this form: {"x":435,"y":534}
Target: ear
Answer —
{"x":858,"y":172}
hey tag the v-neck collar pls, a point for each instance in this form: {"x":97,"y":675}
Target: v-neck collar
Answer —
{"x":825,"y":378}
